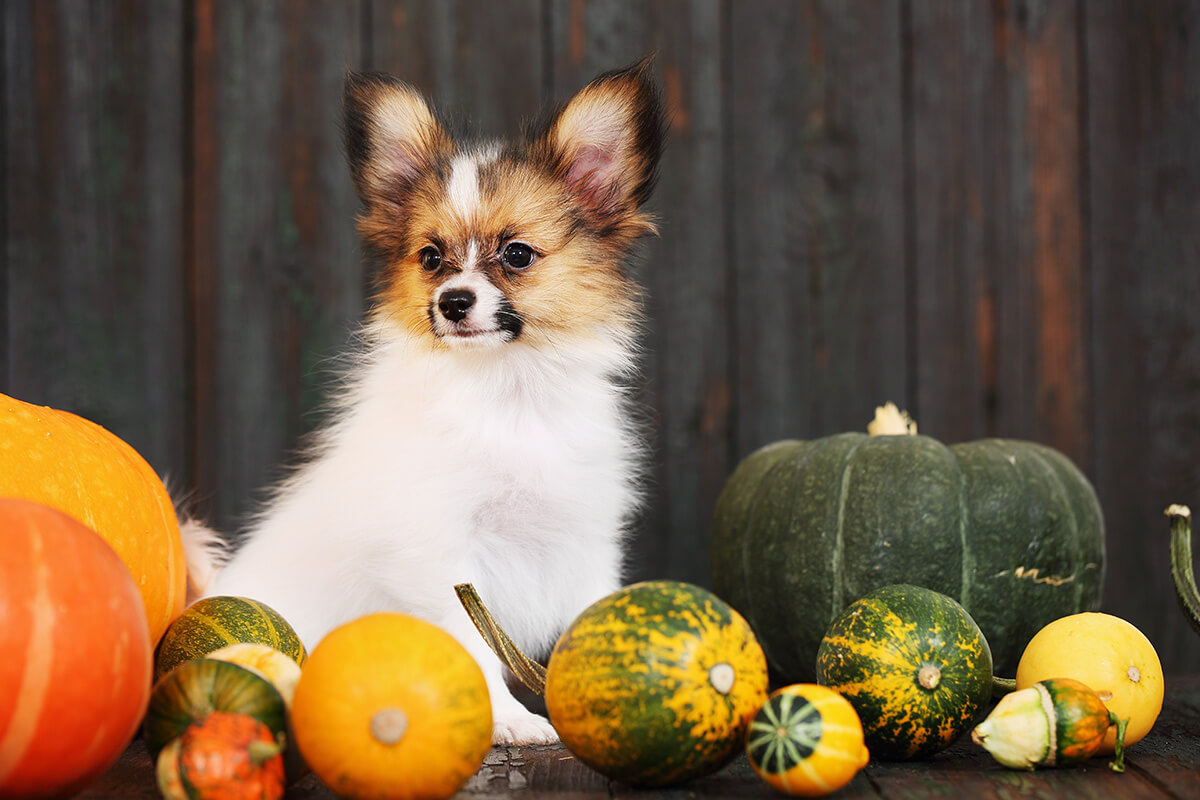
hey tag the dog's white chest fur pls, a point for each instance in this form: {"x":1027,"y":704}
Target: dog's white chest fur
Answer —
{"x":512,"y":471}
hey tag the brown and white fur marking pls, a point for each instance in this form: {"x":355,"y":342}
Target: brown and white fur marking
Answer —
{"x":483,"y":433}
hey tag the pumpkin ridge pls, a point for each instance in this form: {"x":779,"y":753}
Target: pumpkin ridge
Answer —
{"x":839,"y":546}
{"x":783,"y":460}
{"x":275,"y":642}
{"x":1076,"y":550}
{"x":967,"y":554}
{"x":37,"y":671}
{"x":790,"y":462}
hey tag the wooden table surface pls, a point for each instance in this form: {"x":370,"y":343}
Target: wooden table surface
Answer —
{"x":1166,"y":764}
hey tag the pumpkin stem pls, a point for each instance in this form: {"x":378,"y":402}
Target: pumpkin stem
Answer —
{"x":1118,"y":762}
{"x":1002,"y":686}
{"x":929,"y":676}
{"x":530,"y":673}
{"x":1181,"y":563}
{"x":891,"y":421}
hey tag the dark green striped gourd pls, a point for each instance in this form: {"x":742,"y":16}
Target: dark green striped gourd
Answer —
{"x":196,"y":688}
{"x":214,"y":622}
{"x":1010,"y":529}
{"x":914,"y":665}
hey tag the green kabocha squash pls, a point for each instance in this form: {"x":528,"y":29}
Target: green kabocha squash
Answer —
{"x":1010,"y":529}
{"x":914,"y":665}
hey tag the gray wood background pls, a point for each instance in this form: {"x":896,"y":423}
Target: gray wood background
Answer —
{"x":988,"y":212}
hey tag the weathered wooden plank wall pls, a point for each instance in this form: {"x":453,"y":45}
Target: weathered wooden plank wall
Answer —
{"x":985,"y":211}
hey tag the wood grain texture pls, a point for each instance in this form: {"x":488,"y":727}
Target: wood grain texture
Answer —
{"x":275,"y":274}
{"x":997,"y":221}
{"x":686,"y":388}
{"x":92,"y":289}
{"x":984,"y":211}
{"x":1143,"y":111}
{"x":819,"y":292}
{"x":1163,"y":766}
{"x":482,"y":63}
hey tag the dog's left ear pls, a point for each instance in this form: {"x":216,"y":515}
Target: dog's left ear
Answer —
{"x":607,"y":140}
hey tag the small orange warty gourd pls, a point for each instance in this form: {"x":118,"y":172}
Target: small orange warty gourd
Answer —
{"x":225,"y":756}
{"x":77,"y":663}
{"x":72,"y":464}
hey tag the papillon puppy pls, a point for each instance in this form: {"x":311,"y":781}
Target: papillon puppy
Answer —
{"x":483,"y":433}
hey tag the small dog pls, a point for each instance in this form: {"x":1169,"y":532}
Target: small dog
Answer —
{"x":484,"y":433}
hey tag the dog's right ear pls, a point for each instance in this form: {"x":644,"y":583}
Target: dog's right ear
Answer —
{"x":391,"y":135}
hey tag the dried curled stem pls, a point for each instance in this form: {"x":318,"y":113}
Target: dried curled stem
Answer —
{"x":530,"y":673}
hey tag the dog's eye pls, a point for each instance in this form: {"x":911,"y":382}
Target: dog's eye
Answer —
{"x":517,"y":255}
{"x":431,"y":259}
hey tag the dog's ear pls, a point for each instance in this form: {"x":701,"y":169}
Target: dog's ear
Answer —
{"x":607,"y":140}
{"x":392,"y":135}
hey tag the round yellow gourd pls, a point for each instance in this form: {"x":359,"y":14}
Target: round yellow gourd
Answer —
{"x":389,"y":707}
{"x":1108,"y":654}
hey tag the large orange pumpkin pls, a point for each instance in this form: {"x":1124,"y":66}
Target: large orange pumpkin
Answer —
{"x":77,"y":663}
{"x":76,"y":466}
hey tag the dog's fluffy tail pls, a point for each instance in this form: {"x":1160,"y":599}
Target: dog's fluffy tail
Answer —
{"x":205,"y":552}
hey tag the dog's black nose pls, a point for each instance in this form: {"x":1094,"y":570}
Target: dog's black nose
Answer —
{"x":456,"y":303}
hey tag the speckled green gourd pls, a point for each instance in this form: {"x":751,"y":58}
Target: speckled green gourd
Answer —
{"x":656,"y":683}
{"x":1010,"y":529}
{"x":914,"y":665}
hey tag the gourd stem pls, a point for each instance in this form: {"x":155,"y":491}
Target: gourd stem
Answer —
{"x":1181,"y":563}
{"x":1118,"y":762}
{"x":528,"y":671}
{"x":1002,"y":686}
{"x":261,"y":752}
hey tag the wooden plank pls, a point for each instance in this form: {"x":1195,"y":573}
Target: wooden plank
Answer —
{"x":93,"y":140}
{"x":276,"y":280}
{"x":1143,"y":111}
{"x":997,"y":220}
{"x":481,"y":62}
{"x":968,"y":771}
{"x":1170,"y":755}
{"x":1163,"y":765}
{"x":817,"y":221}
{"x":684,"y":270}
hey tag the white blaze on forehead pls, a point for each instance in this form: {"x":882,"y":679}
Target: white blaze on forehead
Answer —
{"x":463,"y":187}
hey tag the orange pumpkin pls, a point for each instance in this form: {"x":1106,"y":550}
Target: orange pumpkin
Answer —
{"x":76,"y":466}
{"x":75,"y":676}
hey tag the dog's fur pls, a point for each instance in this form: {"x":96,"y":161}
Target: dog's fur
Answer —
{"x":483,"y":433}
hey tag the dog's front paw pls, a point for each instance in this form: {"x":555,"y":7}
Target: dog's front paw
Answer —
{"x":523,"y":727}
